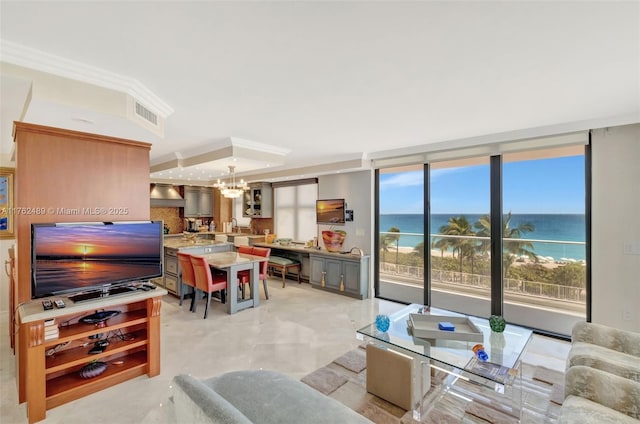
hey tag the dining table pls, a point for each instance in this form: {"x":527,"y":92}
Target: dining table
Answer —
{"x":231,"y":263}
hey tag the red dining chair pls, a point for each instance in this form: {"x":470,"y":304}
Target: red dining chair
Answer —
{"x":244,"y":277}
{"x":187,"y":278}
{"x":207,"y":281}
{"x":246,"y":249}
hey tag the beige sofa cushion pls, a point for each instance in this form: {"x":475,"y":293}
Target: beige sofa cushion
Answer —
{"x":602,"y":358}
{"x":578,"y":410}
{"x":606,"y":389}
{"x":612,"y":338}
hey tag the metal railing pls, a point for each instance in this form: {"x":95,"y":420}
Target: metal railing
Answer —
{"x":414,"y":275}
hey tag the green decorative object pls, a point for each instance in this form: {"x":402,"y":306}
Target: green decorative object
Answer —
{"x":497,"y":323}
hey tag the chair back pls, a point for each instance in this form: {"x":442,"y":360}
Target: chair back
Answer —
{"x":221,"y":237}
{"x":202,"y":272}
{"x":186,"y":268}
{"x":266,"y":252}
{"x":241,"y":241}
{"x":246,"y":250}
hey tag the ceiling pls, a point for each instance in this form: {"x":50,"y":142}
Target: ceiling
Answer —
{"x":293,"y":89}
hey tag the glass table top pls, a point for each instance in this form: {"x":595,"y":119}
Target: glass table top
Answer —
{"x":504,"y":349}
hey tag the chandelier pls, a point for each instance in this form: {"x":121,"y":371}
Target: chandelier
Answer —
{"x":232,"y":190}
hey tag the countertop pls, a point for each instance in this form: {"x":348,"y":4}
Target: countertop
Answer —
{"x":310,"y":250}
{"x":181,"y":243}
{"x":252,"y":236}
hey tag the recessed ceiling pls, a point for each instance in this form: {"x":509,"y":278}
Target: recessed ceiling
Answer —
{"x":332,"y":83}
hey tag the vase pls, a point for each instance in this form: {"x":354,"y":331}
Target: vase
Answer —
{"x":333,"y":240}
{"x":497,"y":323}
{"x":382,"y":323}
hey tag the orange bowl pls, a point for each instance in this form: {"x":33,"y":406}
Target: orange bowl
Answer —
{"x":333,"y":240}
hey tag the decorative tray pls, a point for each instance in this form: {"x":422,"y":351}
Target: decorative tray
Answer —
{"x":426,"y":326}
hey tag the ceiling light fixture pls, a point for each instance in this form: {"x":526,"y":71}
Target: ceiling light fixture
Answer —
{"x":232,"y":190}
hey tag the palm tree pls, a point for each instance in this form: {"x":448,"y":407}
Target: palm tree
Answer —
{"x":388,"y":240}
{"x":395,"y":238}
{"x":457,"y":226}
{"x":511,"y":248}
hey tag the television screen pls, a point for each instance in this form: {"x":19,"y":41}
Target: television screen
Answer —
{"x":330,"y":211}
{"x":70,"y":257}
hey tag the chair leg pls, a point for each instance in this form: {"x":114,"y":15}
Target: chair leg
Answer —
{"x":182,"y":288}
{"x":194,"y":305}
{"x":206,"y":308}
{"x":299,"y":271}
{"x":284,"y":275}
{"x":266,"y":292}
{"x":223,"y":296}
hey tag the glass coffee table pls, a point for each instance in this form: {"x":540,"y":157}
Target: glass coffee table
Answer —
{"x":447,"y":361}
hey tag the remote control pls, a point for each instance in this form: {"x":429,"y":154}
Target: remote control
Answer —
{"x":47,"y":304}
{"x":59,"y":303}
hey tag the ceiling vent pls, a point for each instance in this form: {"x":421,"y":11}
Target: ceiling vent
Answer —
{"x":145,"y":113}
{"x":145,"y":117}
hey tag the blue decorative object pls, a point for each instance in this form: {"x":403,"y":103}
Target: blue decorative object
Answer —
{"x":446,"y":326}
{"x":382,"y":323}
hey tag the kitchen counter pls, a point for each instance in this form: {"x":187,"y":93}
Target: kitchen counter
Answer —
{"x":300,"y":248}
{"x":182,"y":243}
{"x":341,"y":273}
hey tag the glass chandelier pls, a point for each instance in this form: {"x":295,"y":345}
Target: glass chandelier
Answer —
{"x":232,"y":190}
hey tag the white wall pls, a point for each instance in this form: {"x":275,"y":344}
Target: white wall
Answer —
{"x":616,"y":222}
{"x":357,"y":190}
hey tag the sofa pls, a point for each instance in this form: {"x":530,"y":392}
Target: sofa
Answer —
{"x":602,"y":380}
{"x":265,"y":397}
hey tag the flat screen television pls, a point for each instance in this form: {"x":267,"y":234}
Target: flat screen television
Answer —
{"x":85,"y":256}
{"x":330,"y":211}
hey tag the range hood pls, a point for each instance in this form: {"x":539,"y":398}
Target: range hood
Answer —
{"x":165,"y":195}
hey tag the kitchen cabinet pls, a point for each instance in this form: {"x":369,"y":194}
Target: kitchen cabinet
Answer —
{"x":198,"y":202}
{"x":348,"y":275}
{"x":258,"y":201}
{"x":172,"y":271}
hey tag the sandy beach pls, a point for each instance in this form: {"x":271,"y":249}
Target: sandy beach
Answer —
{"x":547,"y":262}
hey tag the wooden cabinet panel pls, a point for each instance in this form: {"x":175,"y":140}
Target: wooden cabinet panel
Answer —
{"x":54,"y":378}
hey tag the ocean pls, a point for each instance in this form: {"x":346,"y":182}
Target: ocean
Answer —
{"x":553,"y":227}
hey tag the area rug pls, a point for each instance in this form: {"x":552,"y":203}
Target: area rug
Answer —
{"x":344,"y":379}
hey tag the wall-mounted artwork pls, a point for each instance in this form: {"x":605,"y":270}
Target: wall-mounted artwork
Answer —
{"x":6,"y":203}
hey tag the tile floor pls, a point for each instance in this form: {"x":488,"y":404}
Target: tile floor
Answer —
{"x":298,"y":330}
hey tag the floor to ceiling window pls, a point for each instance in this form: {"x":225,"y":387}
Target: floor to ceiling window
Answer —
{"x":539,"y":280}
{"x":401,"y":234}
{"x":544,"y":252}
{"x":460,"y":260}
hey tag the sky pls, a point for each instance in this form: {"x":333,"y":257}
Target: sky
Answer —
{"x":534,"y":187}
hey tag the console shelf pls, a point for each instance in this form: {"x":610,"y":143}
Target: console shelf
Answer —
{"x":53,"y":366}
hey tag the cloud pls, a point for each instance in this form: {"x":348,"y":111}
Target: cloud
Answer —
{"x":405,"y":179}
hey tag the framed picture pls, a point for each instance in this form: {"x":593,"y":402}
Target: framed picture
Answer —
{"x":6,"y":203}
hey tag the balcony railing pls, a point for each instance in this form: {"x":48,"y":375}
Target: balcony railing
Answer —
{"x":480,"y":284}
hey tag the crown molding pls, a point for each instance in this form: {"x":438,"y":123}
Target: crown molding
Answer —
{"x":28,"y":57}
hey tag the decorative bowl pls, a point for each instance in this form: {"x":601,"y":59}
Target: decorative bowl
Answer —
{"x":333,"y":240}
